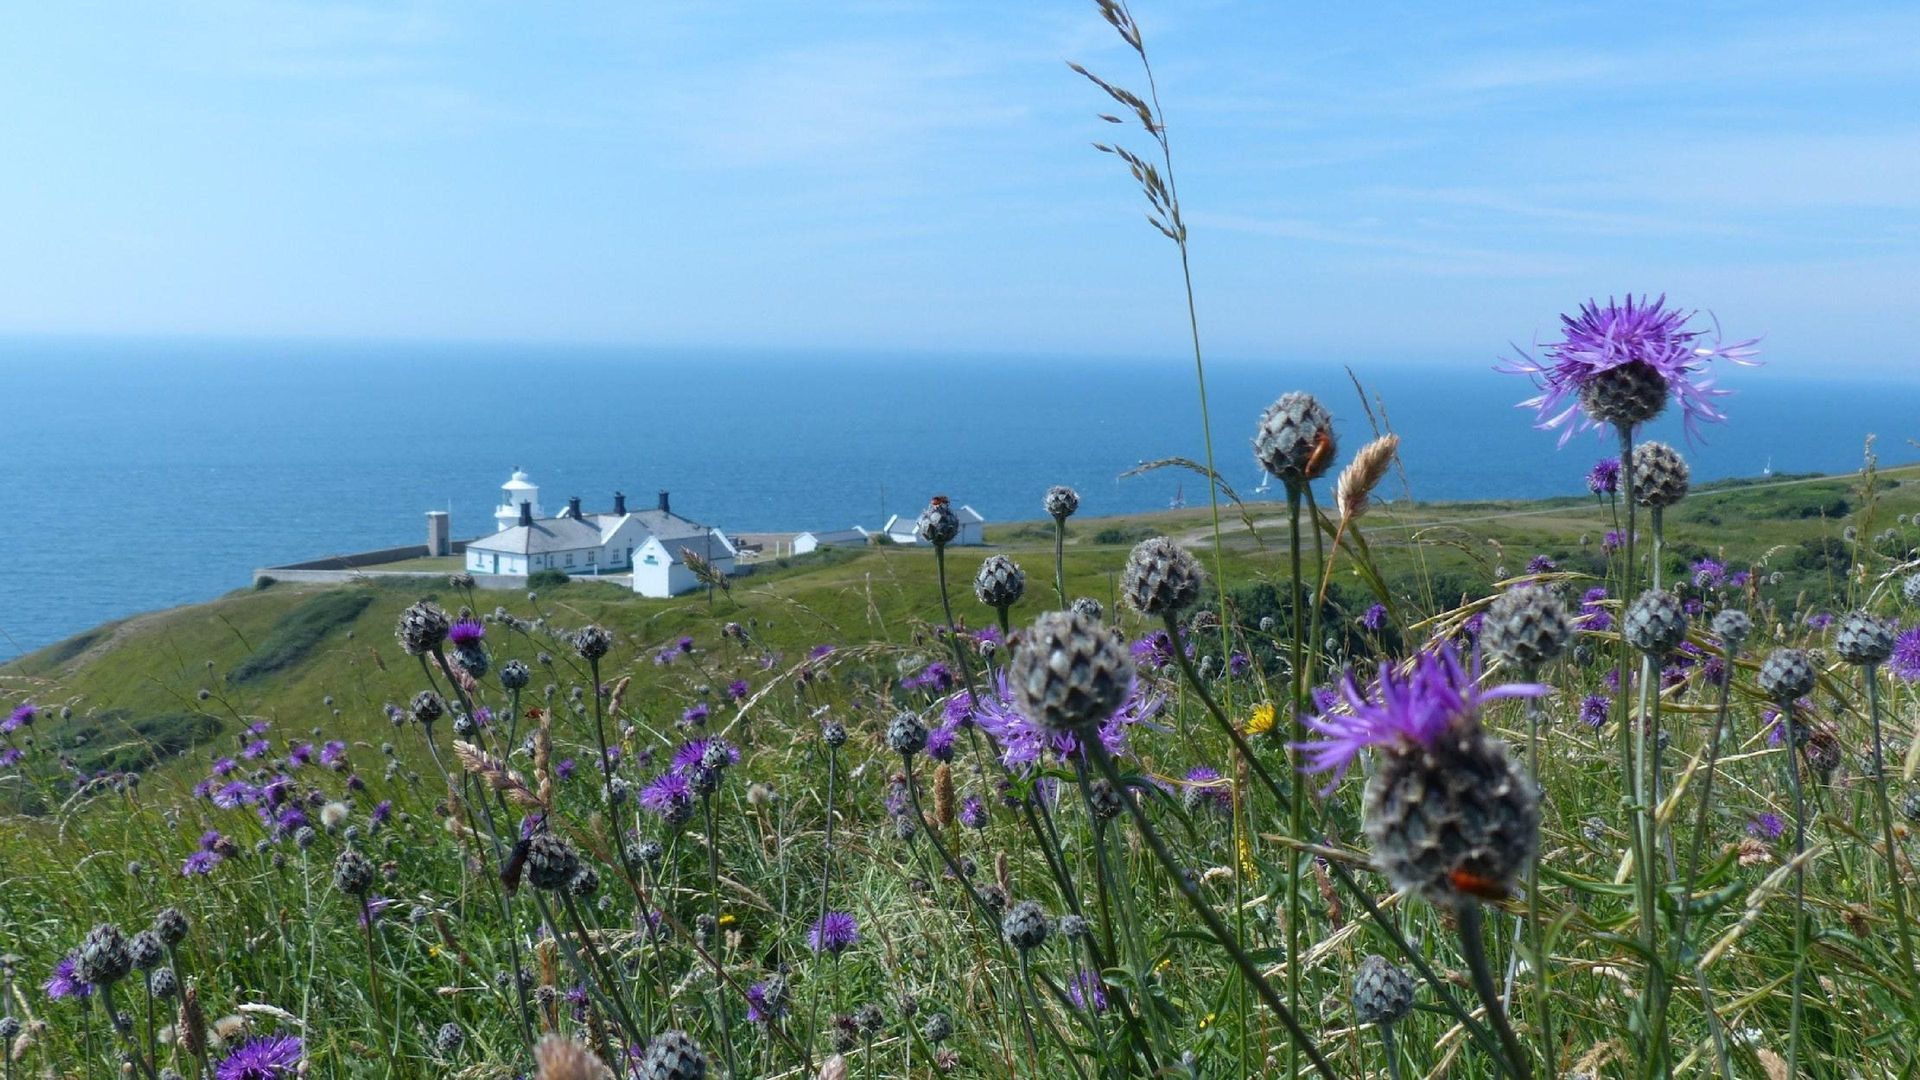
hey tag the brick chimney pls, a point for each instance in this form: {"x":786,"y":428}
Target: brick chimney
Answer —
{"x":526,"y":513}
{"x":665,"y":508}
{"x":619,"y":502}
{"x":573,"y":507}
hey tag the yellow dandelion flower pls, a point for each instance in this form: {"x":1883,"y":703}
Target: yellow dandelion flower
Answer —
{"x":1261,"y":721}
{"x":728,"y":919}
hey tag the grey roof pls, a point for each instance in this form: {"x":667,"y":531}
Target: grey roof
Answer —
{"x":548,"y":535}
{"x":838,"y":536}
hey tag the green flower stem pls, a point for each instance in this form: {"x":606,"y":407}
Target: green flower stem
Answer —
{"x":1895,"y":885}
{"x":1473,"y":948}
{"x":1799,"y":886}
{"x":1637,"y":810}
{"x":1217,"y":928}
{"x":1060,"y":560}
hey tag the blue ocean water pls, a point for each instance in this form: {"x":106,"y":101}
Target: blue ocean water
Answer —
{"x":144,"y":475}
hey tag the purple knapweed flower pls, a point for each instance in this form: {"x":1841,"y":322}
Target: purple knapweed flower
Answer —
{"x":11,"y":756}
{"x":1417,"y":707}
{"x":1905,"y":661}
{"x":685,"y":644}
{"x":667,"y":793}
{"x":1238,"y":664}
{"x":1541,"y":564}
{"x":766,"y":1002}
{"x":200,"y":864}
{"x":1594,"y":616}
{"x":1087,"y":991}
{"x":1598,"y":340}
{"x":1767,"y":826}
{"x":1820,"y":620}
{"x":1375,"y":618}
{"x":1708,"y":573}
{"x":936,"y":677}
{"x":466,"y":633}
{"x":689,"y":755}
{"x":940,"y":743}
{"x":267,"y":1058}
{"x":564,"y":770}
{"x":1613,"y":541}
{"x":973,"y":812}
{"x":1594,"y":710}
{"x":256,"y":749}
{"x":834,"y":933}
{"x":1206,"y":787}
{"x":820,"y":652}
{"x":737,"y":689}
{"x":23,"y":715}
{"x":63,"y":983}
{"x":1022,"y":744}
{"x":1604,"y":477}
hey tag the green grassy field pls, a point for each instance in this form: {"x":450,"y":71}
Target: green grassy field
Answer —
{"x":275,"y":946}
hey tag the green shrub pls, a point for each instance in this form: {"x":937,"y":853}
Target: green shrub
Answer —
{"x":1122,"y":534}
{"x":265,"y":581}
{"x":547,"y":579}
{"x":299,"y":631}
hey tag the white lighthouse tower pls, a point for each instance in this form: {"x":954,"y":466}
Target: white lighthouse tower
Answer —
{"x":518,"y":489}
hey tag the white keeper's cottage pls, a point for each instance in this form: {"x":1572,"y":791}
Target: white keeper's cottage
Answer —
{"x":649,"y":544}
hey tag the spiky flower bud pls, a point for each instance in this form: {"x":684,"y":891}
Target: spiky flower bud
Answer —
{"x":1000,"y":582}
{"x":1630,"y":394}
{"x":938,"y":524}
{"x":1863,"y":639}
{"x":672,"y":1055}
{"x":9,"y":1028}
{"x":146,"y":950}
{"x":514,"y":675}
{"x":834,"y":734}
{"x":906,"y":736}
{"x":1526,"y":627}
{"x":1061,"y":502}
{"x":1026,"y":926}
{"x":1382,"y":993}
{"x":1074,"y":927}
{"x":592,"y":642}
{"x":1655,"y":623}
{"x":171,"y":925}
{"x":937,"y":1027}
{"x":163,"y":983}
{"x":1454,"y":820}
{"x":427,"y":707}
{"x":1068,"y":672}
{"x":1294,"y":441}
{"x":1088,"y":606}
{"x":1660,"y":475}
{"x":1787,"y":674}
{"x":422,"y":627}
{"x":103,"y":957}
{"x":1161,"y":577}
{"x":448,"y":1040}
{"x":1733,"y":627}
{"x":353,"y":873}
{"x":551,"y":862}
{"x":1105,"y":801}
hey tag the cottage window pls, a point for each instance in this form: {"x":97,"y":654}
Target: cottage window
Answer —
{"x":590,"y":557}
{"x":569,"y":558}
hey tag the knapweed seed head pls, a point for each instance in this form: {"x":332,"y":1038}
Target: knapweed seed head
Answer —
{"x":1067,"y":672}
{"x":422,"y":627}
{"x":427,"y":707}
{"x":1619,"y":365}
{"x":514,"y":675}
{"x":672,"y":1055}
{"x":938,"y":524}
{"x":1382,"y":993}
{"x":592,"y":642}
{"x":1448,"y":814}
{"x":1526,"y":627}
{"x":1294,"y":441}
{"x":1000,"y":582}
{"x":1862,"y":638}
{"x":1660,"y":475}
{"x":103,"y":957}
{"x":1655,"y":623}
{"x":1161,"y":578}
{"x":353,"y":873}
{"x":1733,"y":627}
{"x":1088,"y":606}
{"x":1026,"y":926}
{"x":551,"y":861}
{"x":146,"y":950}
{"x":448,"y":1040}
{"x":937,"y":1028}
{"x":1061,"y":502}
{"x":1787,"y":675}
{"x":906,"y":735}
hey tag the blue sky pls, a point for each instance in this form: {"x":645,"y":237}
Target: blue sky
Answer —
{"x":1363,"y":181}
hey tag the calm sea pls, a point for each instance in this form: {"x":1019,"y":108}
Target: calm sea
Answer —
{"x":141,"y":476}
